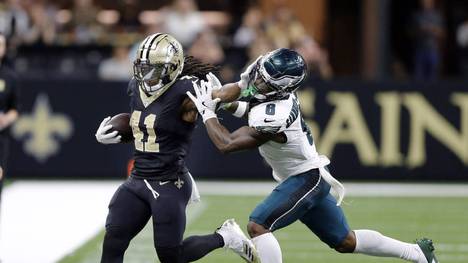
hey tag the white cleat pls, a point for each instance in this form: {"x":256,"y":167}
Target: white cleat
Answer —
{"x":237,"y":241}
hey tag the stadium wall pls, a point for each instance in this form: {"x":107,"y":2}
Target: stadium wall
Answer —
{"x":370,"y":131}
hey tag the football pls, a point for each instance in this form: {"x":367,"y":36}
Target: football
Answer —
{"x":121,"y":124}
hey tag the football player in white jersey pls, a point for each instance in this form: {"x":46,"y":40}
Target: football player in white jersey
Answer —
{"x":276,"y":127}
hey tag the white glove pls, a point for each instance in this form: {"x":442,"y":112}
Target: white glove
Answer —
{"x":107,"y":138}
{"x":205,"y":104}
{"x":214,"y":81}
{"x":248,"y":75}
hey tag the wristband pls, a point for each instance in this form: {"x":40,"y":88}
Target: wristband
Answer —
{"x":208,"y":114}
{"x":241,"y":109}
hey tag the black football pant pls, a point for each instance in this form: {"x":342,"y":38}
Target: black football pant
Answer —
{"x":135,"y":202}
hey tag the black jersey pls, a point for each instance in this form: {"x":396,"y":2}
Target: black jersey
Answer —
{"x":162,"y":138}
{"x":8,"y":91}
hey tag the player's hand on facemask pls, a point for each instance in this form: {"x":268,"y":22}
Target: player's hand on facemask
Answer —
{"x":107,"y":138}
{"x":204,"y":102}
{"x":248,"y":75}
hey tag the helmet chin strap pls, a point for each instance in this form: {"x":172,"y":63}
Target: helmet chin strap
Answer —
{"x":271,"y":96}
{"x":152,"y":89}
{"x":259,"y":96}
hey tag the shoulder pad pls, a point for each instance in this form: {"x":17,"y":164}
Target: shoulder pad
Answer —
{"x":189,"y":80}
{"x":186,"y":83}
{"x":188,"y":77}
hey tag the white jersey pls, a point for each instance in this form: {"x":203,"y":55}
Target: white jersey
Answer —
{"x":298,"y":154}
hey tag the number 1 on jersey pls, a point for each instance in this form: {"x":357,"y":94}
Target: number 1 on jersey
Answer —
{"x":148,"y":145}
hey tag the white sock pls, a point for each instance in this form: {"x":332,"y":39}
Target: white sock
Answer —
{"x":373,"y":243}
{"x":268,"y":248}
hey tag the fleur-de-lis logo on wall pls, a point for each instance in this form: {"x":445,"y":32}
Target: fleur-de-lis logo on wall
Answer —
{"x":42,"y":130}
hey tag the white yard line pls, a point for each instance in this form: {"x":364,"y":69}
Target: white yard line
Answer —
{"x":352,"y":189}
{"x":452,"y":247}
{"x":42,"y":221}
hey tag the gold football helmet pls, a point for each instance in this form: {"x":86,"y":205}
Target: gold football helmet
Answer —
{"x":160,"y":60}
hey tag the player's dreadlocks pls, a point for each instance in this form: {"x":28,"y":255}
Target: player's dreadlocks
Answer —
{"x":194,"y":67}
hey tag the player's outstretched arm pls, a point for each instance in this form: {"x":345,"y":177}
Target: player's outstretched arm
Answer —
{"x":244,"y":138}
{"x":231,"y":92}
{"x":228,"y":93}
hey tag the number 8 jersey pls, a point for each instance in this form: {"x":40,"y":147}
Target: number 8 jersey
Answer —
{"x":162,"y":138}
{"x":298,"y":154}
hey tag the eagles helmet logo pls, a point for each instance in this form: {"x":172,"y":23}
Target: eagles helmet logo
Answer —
{"x":160,"y":60}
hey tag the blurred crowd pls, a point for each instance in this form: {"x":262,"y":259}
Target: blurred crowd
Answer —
{"x":107,"y":38}
{"x":98,"y":38}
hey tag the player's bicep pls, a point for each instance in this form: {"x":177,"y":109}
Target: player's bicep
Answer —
{"x":189,"y":111}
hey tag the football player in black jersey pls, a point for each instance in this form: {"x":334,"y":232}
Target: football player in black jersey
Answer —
{"x":160,"y":186}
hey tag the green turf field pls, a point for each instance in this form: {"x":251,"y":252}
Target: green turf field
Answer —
{"x":445,"y":220}
{"x":6,"y":182}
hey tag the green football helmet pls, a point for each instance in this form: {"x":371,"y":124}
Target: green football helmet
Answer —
{"x":160,"y":60}
{"x":278,"y":74}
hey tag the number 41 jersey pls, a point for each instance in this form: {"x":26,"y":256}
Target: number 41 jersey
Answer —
{"x":298,"y":153}
{"x":162,"y":138}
